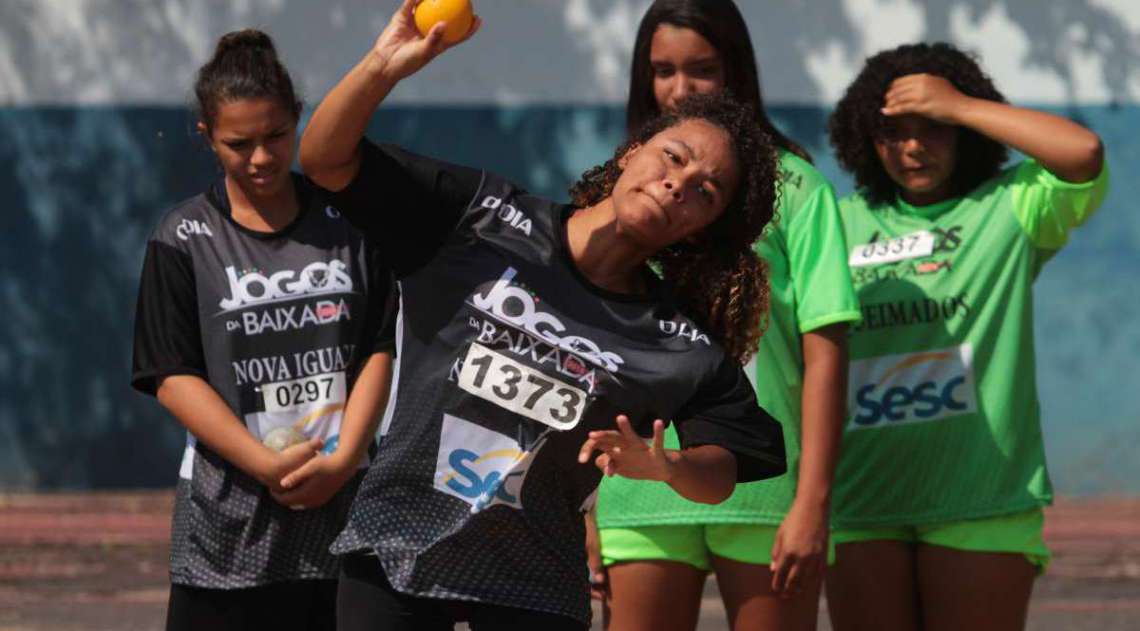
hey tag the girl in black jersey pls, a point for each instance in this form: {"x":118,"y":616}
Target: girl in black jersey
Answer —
{"x":528,"y":330}
{"x":259,"y":325}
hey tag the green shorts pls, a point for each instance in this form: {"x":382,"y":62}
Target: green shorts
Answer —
{"x":693,"y":544}
{"x":1019,"y":533}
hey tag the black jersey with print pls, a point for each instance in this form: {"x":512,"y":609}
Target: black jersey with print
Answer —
{"x":278,"y":324}
{"x":508,"y":357}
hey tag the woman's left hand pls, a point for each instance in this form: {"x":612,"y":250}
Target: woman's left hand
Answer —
{"x":799,"y":554}
{"x":926,"y":95}
{"x":626,"y":454}
{"x":315,"y":482}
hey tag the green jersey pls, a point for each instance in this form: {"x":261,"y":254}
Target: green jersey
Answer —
{"x":944,"y":421}
{"x":810,"y":287}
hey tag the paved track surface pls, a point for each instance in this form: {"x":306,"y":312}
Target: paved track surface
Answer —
{"x":98,"y":562}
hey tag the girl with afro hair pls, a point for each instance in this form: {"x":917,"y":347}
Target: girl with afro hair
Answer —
{"x":940,"y":487}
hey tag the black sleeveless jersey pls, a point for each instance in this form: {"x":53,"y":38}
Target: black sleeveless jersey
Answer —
{"x":508,"y":357}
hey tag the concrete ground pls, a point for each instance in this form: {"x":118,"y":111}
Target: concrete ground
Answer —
{"x":98,"y":562}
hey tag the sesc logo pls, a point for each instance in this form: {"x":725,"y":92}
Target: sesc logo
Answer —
{"x":912,"y":388}
{"x":479,"y":466}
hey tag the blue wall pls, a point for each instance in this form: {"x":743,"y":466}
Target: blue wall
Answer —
{"x":85,"y":186}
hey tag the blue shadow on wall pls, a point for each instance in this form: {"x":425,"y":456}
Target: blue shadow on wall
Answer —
{"x":86,"y":185}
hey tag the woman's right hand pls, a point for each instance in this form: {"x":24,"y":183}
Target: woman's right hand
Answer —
{"x":404,"y":51}
{"x":279,"y":464}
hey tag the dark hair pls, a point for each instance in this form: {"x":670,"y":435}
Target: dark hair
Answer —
{"x":719,"y":280}
{"x":719,"y":22}
{"x":244,"y":66}
{"x":858,"y":121}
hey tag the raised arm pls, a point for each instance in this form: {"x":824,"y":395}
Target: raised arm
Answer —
{"x":1066,"y":149}
{"x":330,"y":153}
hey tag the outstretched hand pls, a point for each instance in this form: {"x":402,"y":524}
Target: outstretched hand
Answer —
{"x":929,"y":96}
{"x":626,"y":454}
{"x":403,"y":48}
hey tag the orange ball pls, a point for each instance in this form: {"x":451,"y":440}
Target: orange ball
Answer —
{"x":457,"y":13}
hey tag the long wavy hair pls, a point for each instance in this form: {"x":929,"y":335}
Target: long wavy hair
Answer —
{"x":719,"y":22}
{"x":858,"y":121}
{"x":719,"y":280}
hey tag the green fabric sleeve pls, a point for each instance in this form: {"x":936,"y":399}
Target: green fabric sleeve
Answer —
{"x":817,"y":260}
{"x":1048,"y":208}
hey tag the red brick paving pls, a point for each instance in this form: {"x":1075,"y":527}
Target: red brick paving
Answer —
{"x":98,"y":561}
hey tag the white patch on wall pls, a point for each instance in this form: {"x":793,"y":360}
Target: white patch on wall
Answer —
{"x":881,"y":24}
{"x":1004,"y":48}
{"x":607,"y":29}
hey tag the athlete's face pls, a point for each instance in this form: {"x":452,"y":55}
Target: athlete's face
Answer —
{"x":683,"y":63}
{"x":255,"y":140}
{"x":676,"y":184}
{"x":919,"y":154}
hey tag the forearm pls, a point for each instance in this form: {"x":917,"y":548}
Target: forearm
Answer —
{"x":1068,"y":150}
{"x":363,"y":411}
{"x":329,"y":151}
{"x":705,"y":474}
{"x":822,"y":413}
{"x":203,"y":412}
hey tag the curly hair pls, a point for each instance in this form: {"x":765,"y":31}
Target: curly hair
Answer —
{"x":719,"y":281}
{"x":857,"y":121}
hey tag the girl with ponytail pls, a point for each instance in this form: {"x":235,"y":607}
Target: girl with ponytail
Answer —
{"x":260,"y":327}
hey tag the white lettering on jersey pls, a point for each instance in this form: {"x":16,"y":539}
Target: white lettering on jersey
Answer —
{"x":685,"y":330}
{"x":507,"y":213}
{"x":292,"y":318}
{"x":516,"y":306}
{"x":259,"y":370}
{"x":190,"y":227}
{"x":253,"y":287}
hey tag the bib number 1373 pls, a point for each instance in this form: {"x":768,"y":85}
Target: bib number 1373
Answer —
{"x":516,"y":387}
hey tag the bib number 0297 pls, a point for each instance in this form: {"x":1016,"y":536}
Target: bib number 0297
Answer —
{"x":516,"y":387}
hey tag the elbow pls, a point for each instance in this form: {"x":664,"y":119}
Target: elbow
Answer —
{"x":1091,"y":159}
{"x":719,"y":495}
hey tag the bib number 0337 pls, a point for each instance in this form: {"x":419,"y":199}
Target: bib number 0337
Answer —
{"x":521,"y":389}
{"x":908,"y":246}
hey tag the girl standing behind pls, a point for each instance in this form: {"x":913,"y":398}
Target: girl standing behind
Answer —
{"x":939,"y":492}
{"x":259,"y":328}
{"x":768,"y":543}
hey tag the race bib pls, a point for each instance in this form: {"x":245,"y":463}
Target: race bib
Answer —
{"x":304,"y":393}
{"x":300,"y":409}
{"x":523,"y":390}
{"x":909,"y":246}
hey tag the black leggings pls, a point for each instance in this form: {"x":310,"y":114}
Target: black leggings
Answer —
{"x":367,"y":602}
{"x":290,"y":606}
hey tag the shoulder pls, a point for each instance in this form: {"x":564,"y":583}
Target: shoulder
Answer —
{"x":855,"y":204}
{"x":190,"y":219}
{"x":801,"y":184}
{"x":799,"y":175}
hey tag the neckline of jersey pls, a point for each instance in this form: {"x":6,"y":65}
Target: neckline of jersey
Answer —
{"x":655,"y":284}
{"x":220,"y":201}
{"x":929,"y":211}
